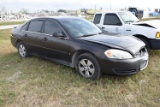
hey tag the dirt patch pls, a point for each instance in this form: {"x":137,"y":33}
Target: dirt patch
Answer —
{"x":130,"y":96}
{"x":14,"y":77}
{"x":142,"y":81}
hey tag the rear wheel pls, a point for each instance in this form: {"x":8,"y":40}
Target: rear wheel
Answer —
{"x":87,"y":66}
{"x":22,"y":50}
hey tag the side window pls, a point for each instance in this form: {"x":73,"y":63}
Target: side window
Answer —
{"x":97,"y":18}
{"x":35,"y":26}
{"x":51,"y":28}
{"x":24,"y":27}
{"x":111,"y":19}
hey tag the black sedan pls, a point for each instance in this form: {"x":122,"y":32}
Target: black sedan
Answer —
{"x":80,"y":44}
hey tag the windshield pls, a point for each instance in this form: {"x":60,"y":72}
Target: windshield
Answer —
{"x":80,"y":27}
{"x":128,"y":17}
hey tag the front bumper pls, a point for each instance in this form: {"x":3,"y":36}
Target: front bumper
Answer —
{"x":155,"y":43}
{"x":13,"y":41}
{"x":124,"y":67}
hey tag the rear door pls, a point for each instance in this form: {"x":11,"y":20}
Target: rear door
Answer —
{"x":112,"y":23}
{"x":30,"y":35}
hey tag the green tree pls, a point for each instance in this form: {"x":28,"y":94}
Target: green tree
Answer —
{"x":24,"y":11}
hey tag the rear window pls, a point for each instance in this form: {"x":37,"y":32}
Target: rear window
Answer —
{"x":97,"y":18}
{"x":35,"y":26}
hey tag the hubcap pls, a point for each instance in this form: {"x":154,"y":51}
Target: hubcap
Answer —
{"x":86,"y":68}
{"x":22,"y":50}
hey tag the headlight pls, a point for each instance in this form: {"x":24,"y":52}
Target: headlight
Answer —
{"x":158,"y":35}
{"x":117,"y":54}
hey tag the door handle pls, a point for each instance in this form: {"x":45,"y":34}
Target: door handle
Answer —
{"x":117,"y":29}
{"x":45,"y":39}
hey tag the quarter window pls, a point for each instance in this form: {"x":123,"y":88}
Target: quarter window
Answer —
{"x":25,"y":27}
{"x":51,"y":28}
{"x":35,"y":26}
{"x":97,"y":18}
{"x":111,"y":19}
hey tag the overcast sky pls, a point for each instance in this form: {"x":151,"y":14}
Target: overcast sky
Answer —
{"x":33,"y":5}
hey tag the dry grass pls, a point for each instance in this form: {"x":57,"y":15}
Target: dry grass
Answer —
{"x":3,"y":23}
{"x":151,"y":18}
{"x":35,"y":82}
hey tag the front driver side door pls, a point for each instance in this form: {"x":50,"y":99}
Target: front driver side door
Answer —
{"x":53,"y":47}
{"x":112,"y":24}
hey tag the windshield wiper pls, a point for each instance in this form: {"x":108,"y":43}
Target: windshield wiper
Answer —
{"x":88,"y":35}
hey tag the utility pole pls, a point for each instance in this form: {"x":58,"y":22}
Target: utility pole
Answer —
{"x":110,"y":7}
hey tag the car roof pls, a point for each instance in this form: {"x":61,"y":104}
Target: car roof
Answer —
{"x":104,"y":12}
{"x":56,"y":17}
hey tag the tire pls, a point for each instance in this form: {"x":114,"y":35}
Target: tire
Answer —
{"x":22,"y":50}
{"x":87,"y":66}
{"x":146,"y":42}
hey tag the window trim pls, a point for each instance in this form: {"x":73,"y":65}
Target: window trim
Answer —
{"x":42,"y":28}
{"x":35,"y":31}
{"x":112,"y":24}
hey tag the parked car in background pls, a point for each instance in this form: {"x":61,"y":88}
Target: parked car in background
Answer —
{"x":80,"y":44}
{"x":136,"y":12}
{"x":154,"y":14}
{"x":127,"y":24}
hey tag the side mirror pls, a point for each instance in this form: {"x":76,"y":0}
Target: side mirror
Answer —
{"x":119,"y":23}
{"x":59,"y":35}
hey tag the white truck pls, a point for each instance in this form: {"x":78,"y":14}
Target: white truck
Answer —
{"x":126,"y":23}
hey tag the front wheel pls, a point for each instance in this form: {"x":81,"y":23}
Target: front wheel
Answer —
{"x":146,"y":42}
{"x":22,"y":50}
{"x":87,"y":66}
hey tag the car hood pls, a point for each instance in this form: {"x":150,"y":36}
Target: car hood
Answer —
{"x":150,"y":23}
{"x":128,"y":43}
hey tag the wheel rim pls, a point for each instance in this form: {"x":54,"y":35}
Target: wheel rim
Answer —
{"x":22,"y":50}
{"x":86,"y":68}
